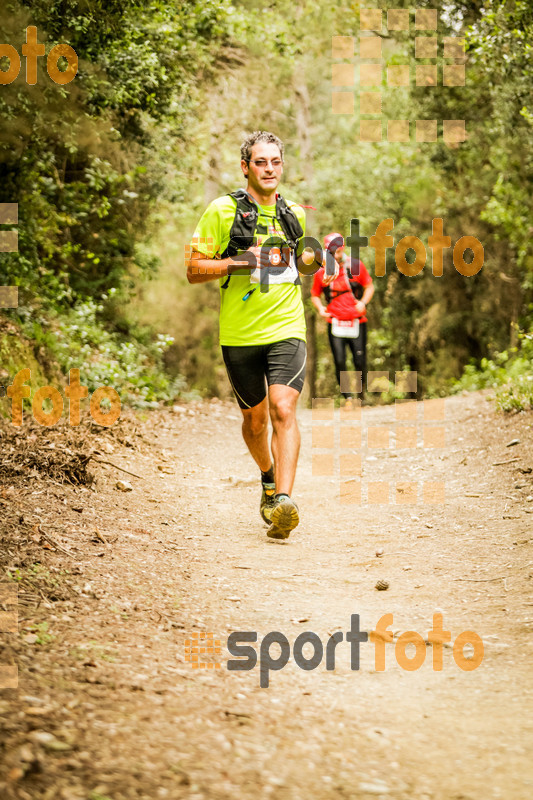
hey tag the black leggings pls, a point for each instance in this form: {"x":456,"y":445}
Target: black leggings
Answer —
{"x":358,"y":350}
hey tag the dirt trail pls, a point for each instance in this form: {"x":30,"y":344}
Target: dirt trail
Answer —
{"x":109,"y":707}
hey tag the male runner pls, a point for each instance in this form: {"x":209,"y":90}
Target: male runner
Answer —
{"x":262,"y":333}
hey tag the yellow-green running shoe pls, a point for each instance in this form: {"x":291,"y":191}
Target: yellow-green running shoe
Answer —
{"x":268,"y":501}
{"x":284,"y":517}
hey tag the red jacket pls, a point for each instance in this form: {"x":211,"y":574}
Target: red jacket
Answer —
{"x":339,"y":294}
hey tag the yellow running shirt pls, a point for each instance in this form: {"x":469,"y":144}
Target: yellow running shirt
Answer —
{"x":264,"y":317}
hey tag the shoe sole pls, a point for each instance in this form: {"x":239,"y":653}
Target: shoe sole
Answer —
{"x":284,"y":519}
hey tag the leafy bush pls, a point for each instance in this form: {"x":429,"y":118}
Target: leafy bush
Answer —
{"x":510,"y":373}
{"x":133,"y":365}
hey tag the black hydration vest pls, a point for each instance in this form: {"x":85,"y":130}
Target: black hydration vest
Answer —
{"x":331,"y":294}
{"x":243,"y":230}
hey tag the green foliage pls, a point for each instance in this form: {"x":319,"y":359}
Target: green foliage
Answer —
{"x":111,"y":170}
{"x":16,"y":353}
{"x":79,"y":159}
{"x":78,"y":339}
{"x":89,"y":162}
{"x":510,"y":373}
{"x":41,"y":630}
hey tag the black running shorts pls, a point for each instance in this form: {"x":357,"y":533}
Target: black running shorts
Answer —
{"x":251,"y":367}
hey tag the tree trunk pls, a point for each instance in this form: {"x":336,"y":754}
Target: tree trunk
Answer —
{"x":303,"y":126}
{"x":212,"y":175}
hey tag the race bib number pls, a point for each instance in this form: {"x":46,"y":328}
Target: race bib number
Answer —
{"x":345,"y":328}
{"x":277,"y":272}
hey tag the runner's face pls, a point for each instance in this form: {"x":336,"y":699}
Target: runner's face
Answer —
{"x":264,"y":178}
{"x":338,"y":254}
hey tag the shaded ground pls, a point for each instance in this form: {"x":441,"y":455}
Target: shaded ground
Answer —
{"x":112,"y":584}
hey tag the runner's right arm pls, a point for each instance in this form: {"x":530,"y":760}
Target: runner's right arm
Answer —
{"x":201,"y":269}
{"x":316,"y":290}
{"x":320,"y":308}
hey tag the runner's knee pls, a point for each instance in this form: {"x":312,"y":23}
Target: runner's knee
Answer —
{"x":282,"y":411}
{"x":254,"y":424}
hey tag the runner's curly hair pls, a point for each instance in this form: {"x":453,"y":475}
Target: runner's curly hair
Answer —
{"x":254,"y":138}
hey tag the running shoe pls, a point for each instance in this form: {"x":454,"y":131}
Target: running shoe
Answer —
{"x":268,"y":501}
{"x":284,"y":517}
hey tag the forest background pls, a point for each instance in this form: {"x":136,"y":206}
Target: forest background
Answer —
{"x":112,"y":171}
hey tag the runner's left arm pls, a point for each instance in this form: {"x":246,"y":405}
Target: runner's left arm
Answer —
{"x":366,"y":282}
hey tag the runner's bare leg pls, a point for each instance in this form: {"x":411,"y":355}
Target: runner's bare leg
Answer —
{"x":285,"y":436}
{"x":255,"y":434}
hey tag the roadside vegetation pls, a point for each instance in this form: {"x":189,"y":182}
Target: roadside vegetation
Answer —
{"x":111,"y":171}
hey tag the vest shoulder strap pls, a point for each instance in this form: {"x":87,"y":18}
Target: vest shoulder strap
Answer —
{"x":241,"y":235}
{"x":244,"y":224}
{"x":289,"y":222}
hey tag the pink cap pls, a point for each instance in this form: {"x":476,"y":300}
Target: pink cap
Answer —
{"x":333,"y":238}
